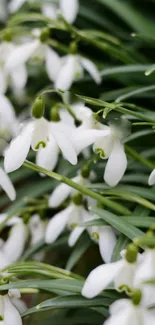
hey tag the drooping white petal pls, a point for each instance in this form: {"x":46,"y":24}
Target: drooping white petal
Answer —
{"x":60,"y":194}
{"x":11,"y":221}
{"x":66,"y":117}
{"x":69,"y":9}
{"x":37,"y":229}
{"x":48,"y":157}
{"x":7,"y":112}
{"x":14,"y":293}
{"x":3,"y":260}
{"x":41,"y":134}
{"x":75,"y":235}
{"x":56,"y":225}
{"x":126,"y":314}
{"x":82,"y":138}
{"x":11,"y":315}
{"x":100,"y":278}
{"x":103,"y":146}
{"x":49,"y":10}
{"x":89,"y":66}
{"x":18,"y":149}
{"x":19,"y":77}
{"x":125,"y":276}
{"x":19,"y":304}
{"x":149,"y":317}
{"x":146,"y":268}
{"x":3,"y":82}
{"x":7,"y":185}
{"x":12,"y":249}
{"x":151,"y":180}
{"x":53,"y":63}
{"x":3,"y":10}
{"x":120,"y":305}
{"x":14,"y":5}
{"x":66,"y":74}
{"x":1,"y":309}
{"x":107,"y":242}
{"x":64,"y":143}
{"x":116,"y":165}
{"x":20,"y":54}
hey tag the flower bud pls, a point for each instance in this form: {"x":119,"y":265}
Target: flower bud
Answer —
{"x":131,"y":253}
{"x":54,"y":114}
{"x":85,"y":172}
{"x":73,"y":48}
{"x":38,"y":107}
{"x":77,"y":199}
{"x":45,"y":35}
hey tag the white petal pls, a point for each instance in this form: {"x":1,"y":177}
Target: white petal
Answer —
{"x":107,"y":242}
{"x":19,"y":304}
{"x":3,"y":82}
{"x":19,"y":77}
{"x":125,"y":276}
{"x":11,"y":315}
{"x":3,"y":10}
{"x":65,"y":144}
{"x":48,"y":157}
{"x":18,"y":149}
{"x":146,"y":268}
{"x":66,"y":74}
{"x":53,"y":63}
{"x":6,"y":185}
{"x":41,"y":133}
{"x":104,"y":146}
{"x":124,"y":317}
{"x":60,"y":194}
{"x":14,"y":293}
{"x":151,"y":180}
{"x":3,"y":260}
{"x":1,"y":310}
{"x":75,"y":235}
{"x":69,"y":9}
{"x":66,"y":117}
{"x":89,"y":66}
{"x":14,"y":5}
{"x":82,"y":138}
{"x":11,"y":221}
{"x":37,"y":229}
{"x":100,"y":278}
{"x":7,"y":111}
{"x":12,"y":249}
{"x":149,"y":317}
{"x":120,"y":305}
{"x":20,"y":54}
{"x":49,"y":10}
{"x":57,"y":225}
{"x":116,"y":165}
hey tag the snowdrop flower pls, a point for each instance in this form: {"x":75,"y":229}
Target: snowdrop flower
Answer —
{"x":71,"y":68}
{"x":14,"y":295}
{"x":35,"y":48}
{"x":37,"y":233}
{"x":111,"y":147}
{"x":106,"y":239}
{"x":121,"y":272}
{"x":63,"y":191}
{"x":15,"y":77}
{"x":3,"y":258}
{"x":124,"y":312}
{"x":71,"y":217}
{"x":8,"y":121}
{"x":11,"y":248}
{"x":7,"y":185}
{"x":151,"y":180}
{"x":69,"y":8}
{"x":146,"y":269}
{"x":3,"y":10}
{"x":8,"y":313}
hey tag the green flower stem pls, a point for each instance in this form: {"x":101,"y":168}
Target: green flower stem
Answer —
{"x":135,"y":155}
{"x":112,"y":205}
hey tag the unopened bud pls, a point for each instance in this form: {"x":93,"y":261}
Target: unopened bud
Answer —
{"x":73,"y":48}
{"x":38,"y":107}
{"x":131,"y":253}
{"x":85,"y":172}
{"x":77,"y":199}
{"x":45,"y":35}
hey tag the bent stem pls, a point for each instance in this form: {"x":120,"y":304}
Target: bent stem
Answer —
{"x":110,"y":204}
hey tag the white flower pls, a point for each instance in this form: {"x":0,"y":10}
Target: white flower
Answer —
{"x":7,"y":185}
{"x":15,"y":77}
{"x":63,"y":191}
{"x":34,"y":49}
{"x":151,"y":180}
{"x":3,"y":10}
{"x":15,"y":5}
{"x":124,"y":312}
{"x":8,"y":121}
{"x":49,"y":10}
{"x":37,"y":232}
{"x":106,"y":239}
{"x":71,"y":68}
{"x":14,"y":246}
{"x":8,"y":313}
{"x":69,"y":9}
{"x":111,"y":147}
{"x":121,"y":272}
{"x":20,"y":305}
{"x":71,"y":217}
{"x":146,"y":269}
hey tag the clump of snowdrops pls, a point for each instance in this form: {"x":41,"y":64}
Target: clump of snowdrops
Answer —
{"x":77,"y":121}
